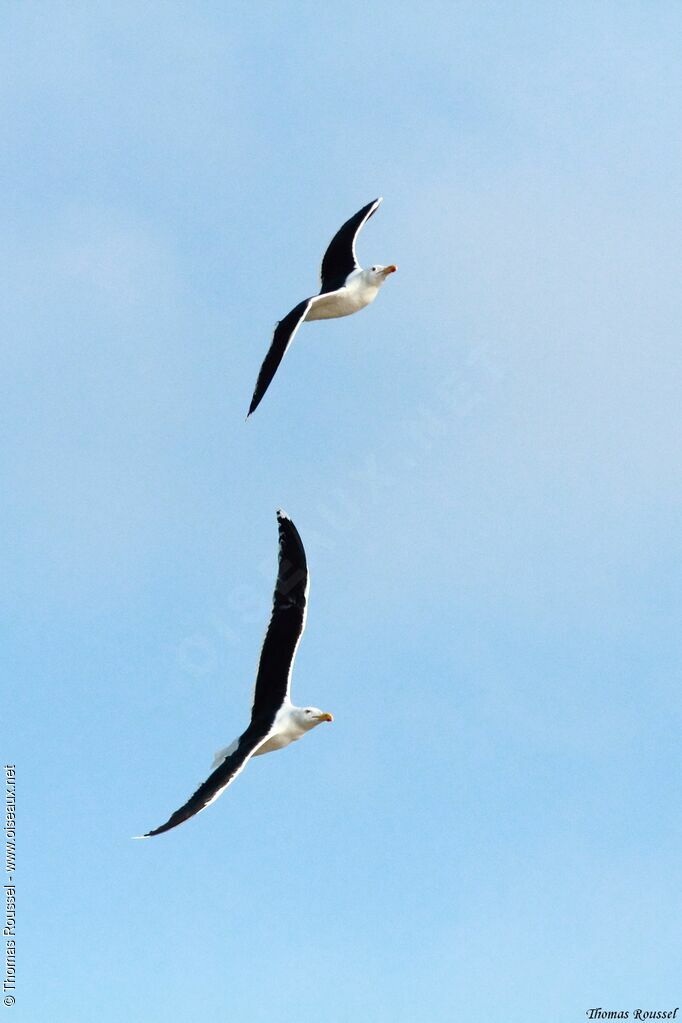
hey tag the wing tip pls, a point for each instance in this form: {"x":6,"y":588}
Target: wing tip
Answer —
{"x":282,"y":516}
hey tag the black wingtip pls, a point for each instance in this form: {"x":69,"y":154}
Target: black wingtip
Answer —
{"x":289,"y":533}
{"x":157,"y":831}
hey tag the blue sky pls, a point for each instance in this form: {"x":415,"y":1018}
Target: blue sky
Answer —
{"x":484,"y":466}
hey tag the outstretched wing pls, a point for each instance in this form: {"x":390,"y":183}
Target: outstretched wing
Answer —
{"x":274,"y":672}
{"x":216,"y":783}
{"x":286,"y":626}
{"x":281,"y":339}
{"x":340,"y":260}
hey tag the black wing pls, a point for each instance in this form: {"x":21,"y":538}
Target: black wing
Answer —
{"x":339,"y":260}
{"x":286,"y":624}
{"x":274,"y":671}
{"x":219,"y":779}
{"x":281,"y":339}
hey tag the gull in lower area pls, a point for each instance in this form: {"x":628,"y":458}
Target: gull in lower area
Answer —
{"x":345,"y":288}
{"x":275,"y":721}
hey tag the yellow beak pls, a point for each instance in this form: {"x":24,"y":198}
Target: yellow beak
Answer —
{"x":326,"y":717}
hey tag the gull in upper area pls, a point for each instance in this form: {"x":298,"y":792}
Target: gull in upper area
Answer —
{"x":345,"y":289}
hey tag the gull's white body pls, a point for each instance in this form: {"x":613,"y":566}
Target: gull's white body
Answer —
{"x":290,"y":725}
{"x":361,"y":288}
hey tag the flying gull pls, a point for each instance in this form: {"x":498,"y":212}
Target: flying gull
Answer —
{"x":275,"y":721}
{"x":345,"y":288}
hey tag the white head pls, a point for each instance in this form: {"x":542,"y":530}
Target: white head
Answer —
{"x":377,"y":274}
{"x":308,"y":717}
